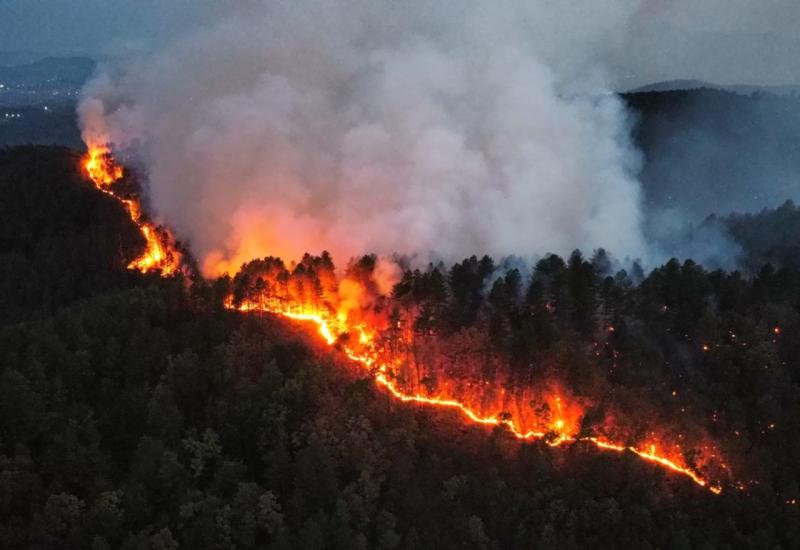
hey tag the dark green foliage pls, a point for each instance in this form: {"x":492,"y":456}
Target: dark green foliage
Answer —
{"x":145,"y":415}
{"x":214,"y":430}
{"x":771,"y":236}
{"x":688,"y":349}
{"x":59,"y":238}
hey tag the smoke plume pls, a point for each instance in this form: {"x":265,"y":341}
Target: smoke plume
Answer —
{"x":411,"y":128}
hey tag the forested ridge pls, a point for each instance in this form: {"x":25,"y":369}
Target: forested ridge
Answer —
{"x":715,"y":151}
{"x":138,"y":412}
{"x":768,"y":237}
{"x":60,"y":239}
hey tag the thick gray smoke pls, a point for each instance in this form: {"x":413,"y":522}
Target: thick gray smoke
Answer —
{"x":357,"y":127}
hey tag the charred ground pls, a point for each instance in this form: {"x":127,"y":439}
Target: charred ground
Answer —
{"x":137,"y":412}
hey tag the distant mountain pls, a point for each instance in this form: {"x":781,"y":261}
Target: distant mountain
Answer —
{"x":73,"y":70}
{"x":716,"y":151}
{"x":746,"y":89}
{"x":38,"y":98}
{"x":9,"y":58}
{"x":769,"y":236}
{"x":689,"y":84}
{"x":670,"y":85}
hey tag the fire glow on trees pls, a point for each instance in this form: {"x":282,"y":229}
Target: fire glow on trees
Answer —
{"x":381,"y":342}
{"x":161,"y":252}
{"x":383,"y":345}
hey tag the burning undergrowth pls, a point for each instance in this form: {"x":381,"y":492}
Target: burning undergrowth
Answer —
{"x":435,"y":341}
{"x":162,"y":251}
{"x":538,"y":358}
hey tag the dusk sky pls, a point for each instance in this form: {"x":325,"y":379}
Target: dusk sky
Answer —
{"x":724,"y":41}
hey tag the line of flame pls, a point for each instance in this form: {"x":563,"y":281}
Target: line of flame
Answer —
{"x":378,"y":371}
{"x":159,"y":254}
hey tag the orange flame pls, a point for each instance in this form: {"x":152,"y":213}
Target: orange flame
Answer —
{"x":161,"y":253}
{"x":101,"y":167}
{"x":562,"y":428}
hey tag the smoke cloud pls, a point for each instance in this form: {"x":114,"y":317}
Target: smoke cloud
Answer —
{"x":410,"y":128}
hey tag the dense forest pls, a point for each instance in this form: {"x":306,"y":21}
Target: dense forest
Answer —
{"x":767,"y":237}
{"x":140,"y":412}
{"x":60,"y":240}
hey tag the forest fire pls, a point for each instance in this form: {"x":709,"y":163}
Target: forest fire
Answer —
{"x":401,"y":357}
{"x":101,"y":167}
{"x":382,"y":350}
{"x":161,"y":253}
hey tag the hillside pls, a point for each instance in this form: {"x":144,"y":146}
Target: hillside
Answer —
{"x":60,"y":240}
{"x":139,"y":412}
{"x":769,"y":236}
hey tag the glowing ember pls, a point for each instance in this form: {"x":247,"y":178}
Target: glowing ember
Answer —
{"x":560,"y":427}
{"x":161,"y":253}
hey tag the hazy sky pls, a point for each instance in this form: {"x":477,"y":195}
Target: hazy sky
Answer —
{"x":725,"y":41}
{"x":95,"y":27}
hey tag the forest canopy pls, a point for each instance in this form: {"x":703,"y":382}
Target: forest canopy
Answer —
{"x":140,"y":412}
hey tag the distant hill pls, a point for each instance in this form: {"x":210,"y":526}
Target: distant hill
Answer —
{"x":689,"y":84}
{"x":73,"y":70}
{"x":770,"y":236}
{"x":671,"y":85}
{"x":37,"y":100}
{"x":9,"y":58}
{"x":715,"y":151}
{"x":46,"y":81}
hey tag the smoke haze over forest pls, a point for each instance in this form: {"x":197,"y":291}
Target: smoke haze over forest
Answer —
{"x":419,"y":130}
{"x":425,"y":132}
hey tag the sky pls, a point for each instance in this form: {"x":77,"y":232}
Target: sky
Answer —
{"x":96,"y":28}
{"x":721,"y":41}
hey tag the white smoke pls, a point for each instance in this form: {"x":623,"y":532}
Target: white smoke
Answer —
{"x":411,"y":128}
